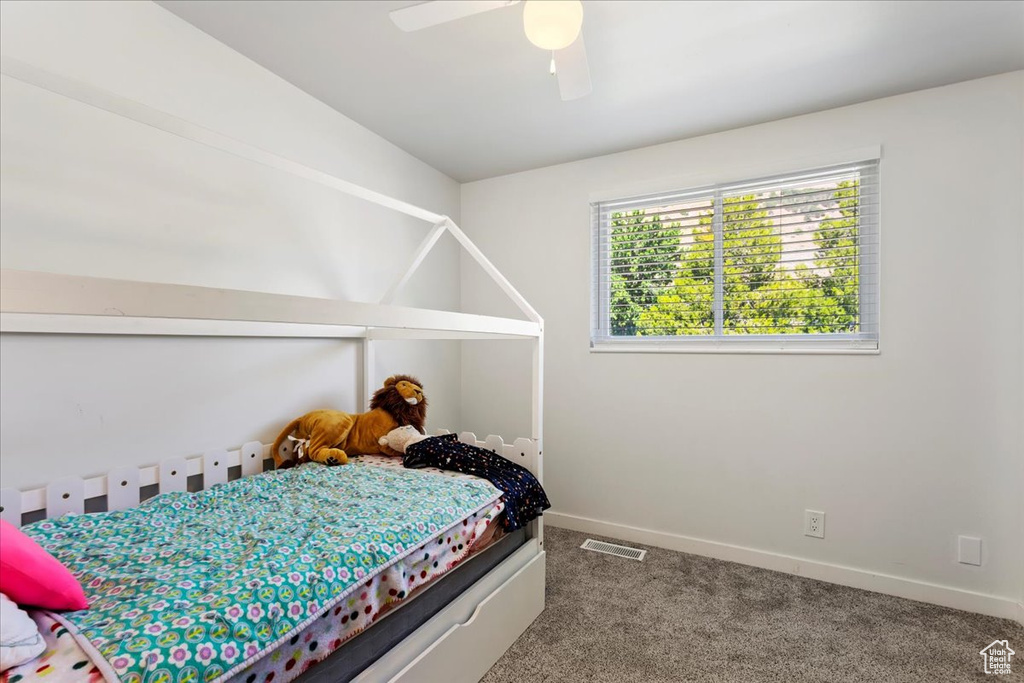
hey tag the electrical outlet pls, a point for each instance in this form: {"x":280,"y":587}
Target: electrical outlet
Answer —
{"x":969,"y":550}
{"x":814,"y":523}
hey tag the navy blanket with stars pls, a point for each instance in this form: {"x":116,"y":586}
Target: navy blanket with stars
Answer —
{"x":524,"y":497}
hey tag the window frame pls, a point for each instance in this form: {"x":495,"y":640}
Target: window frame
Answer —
{"x":856,"y":343}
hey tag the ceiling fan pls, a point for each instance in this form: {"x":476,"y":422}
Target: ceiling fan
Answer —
{"x":549,"y":24}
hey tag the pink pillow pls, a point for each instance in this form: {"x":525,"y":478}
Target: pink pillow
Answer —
{"x":31,"y":576}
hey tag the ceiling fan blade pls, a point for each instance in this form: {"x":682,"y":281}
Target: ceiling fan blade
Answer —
{"x":573,"y":71}
{"x":429,"y":14}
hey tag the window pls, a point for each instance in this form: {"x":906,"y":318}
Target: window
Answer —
{"x":778,"y":263}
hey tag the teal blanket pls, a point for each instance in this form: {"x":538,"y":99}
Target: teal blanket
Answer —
{"x":196,"y":586}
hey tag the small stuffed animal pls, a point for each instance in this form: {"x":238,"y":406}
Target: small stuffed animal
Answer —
{"x":400,"y":438}
{"x":330,"y":436}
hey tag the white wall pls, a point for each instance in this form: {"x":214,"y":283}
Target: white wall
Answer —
{"x":1020,"y":429}
{"x":903,"y":450}
{"x":88,"y":193}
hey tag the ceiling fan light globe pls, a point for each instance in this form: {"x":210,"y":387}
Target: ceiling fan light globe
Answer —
{"x":552,"y":24}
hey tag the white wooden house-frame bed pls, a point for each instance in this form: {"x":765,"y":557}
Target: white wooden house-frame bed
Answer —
{"x":479,"y":624}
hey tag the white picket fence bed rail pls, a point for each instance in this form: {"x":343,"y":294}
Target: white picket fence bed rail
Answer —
{"x":123,"y":486}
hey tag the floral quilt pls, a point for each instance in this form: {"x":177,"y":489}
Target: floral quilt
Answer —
{"x":197,"y":586}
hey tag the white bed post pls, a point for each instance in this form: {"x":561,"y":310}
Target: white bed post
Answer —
{"x":368,"y":371}
{"x":537,"y":419}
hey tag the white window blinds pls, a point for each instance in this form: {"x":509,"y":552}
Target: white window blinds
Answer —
{"x":779,"y":262}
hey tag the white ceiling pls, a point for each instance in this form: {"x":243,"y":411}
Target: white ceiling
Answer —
{"x":474,"y":98}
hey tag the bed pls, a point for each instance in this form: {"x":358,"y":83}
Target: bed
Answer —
{"x":445,"y":528}
{"x":474,"y":623}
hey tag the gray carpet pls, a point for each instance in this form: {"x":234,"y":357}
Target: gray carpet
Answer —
{"x":681,"y":617}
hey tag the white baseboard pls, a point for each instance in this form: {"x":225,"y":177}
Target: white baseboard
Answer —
{"x":846,"y":576}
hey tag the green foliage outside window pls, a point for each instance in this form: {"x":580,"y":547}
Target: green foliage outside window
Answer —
{"x":662,"y":274}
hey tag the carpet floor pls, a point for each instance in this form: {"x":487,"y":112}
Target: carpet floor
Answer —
{"x":679,"y":617}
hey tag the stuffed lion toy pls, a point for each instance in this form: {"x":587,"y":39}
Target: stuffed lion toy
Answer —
{"x":330,"y":436}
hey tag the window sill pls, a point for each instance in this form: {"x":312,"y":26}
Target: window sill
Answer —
{"x":810,"y":348}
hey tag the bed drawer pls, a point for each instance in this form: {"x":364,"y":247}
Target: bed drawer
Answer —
{"x":479,"y":642}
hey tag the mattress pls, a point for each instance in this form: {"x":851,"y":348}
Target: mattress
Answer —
{"x":361,"y":606}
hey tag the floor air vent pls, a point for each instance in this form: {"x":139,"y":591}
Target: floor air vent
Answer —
{"x":612,"y":549}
